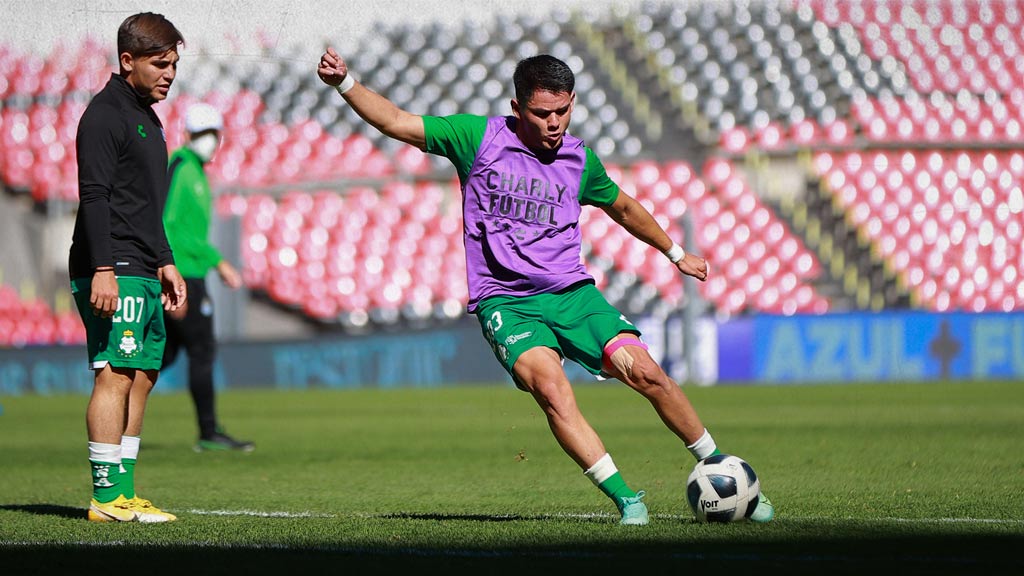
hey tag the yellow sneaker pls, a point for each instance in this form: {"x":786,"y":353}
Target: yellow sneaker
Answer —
{"x":118,"y":510}
{"x":146,"y":512}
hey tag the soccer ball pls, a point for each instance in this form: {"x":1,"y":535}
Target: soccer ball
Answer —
{"x":722,"y":488}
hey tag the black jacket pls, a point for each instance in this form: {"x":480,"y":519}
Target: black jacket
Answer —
{"x":122,"y":186}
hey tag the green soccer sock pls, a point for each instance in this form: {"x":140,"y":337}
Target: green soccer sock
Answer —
{"x":616,"y":489}
{"x":128,"y":477}
{"x":606,"y":476}
{"x":129,"y":455}
{"x":106,"y":480}
{"x":105,"y":462}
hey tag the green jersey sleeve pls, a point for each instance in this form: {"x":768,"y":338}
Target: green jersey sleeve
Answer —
{"x":188,"y":214}
{"x":597,"y":188}
{"x":455,"y":137}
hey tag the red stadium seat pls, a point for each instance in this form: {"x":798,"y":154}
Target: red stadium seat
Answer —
{"x":735,"y":140}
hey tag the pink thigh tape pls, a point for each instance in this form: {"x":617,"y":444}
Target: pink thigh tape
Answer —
{"x":628,"y":341}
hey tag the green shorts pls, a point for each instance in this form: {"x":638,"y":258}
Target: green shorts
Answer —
{"x":134,"y":337}
{"x":576,"y":322}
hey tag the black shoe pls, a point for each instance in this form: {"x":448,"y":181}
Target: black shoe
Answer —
{"x":221,"y":441}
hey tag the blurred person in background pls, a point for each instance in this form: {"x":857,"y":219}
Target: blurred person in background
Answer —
{"x":121,"y":265}
{"x":187,"y":218}
{"x":525,"y":180}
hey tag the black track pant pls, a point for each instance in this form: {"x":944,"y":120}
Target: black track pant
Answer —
{"x":194,"y":333}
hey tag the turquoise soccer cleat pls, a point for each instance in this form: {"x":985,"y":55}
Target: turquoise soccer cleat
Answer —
{"x":634,"y":512}
{"x":764,"y":511}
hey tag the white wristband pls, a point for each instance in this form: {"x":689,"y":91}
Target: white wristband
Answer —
{"x":675,"y":253}
{"x":346,"y":84}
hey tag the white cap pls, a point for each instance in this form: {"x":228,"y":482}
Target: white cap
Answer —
{"x":201,"y":117}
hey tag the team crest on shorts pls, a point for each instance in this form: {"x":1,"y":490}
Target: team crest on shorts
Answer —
{"x":129,"y":347}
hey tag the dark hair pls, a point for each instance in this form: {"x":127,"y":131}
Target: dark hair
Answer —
{"x":146,"y":33}
{"x":542,"y":72}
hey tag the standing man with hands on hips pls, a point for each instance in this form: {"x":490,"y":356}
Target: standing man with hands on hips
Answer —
{"x":121,"y":267}
{"x":187,"y":218}
{"x":524,"y":181}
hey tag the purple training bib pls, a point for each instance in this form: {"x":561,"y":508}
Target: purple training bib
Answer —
{"x":521,"y":216}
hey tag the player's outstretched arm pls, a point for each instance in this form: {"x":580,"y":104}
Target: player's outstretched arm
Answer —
{"x":377,"y":110}
{"x":632,"y":216}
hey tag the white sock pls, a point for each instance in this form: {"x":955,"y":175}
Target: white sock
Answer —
{"x":130,"y":447}
{"x":602,"y":470}
{"x":703,"y":447}
{"x":106,"y":453}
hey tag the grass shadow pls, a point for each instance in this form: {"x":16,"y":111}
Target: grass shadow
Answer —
{"x":603,"y":519}
{"x":905,"y":555}
{"x":48,"y":510}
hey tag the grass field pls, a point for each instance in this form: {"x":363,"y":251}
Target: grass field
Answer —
{"x":920,"y":478}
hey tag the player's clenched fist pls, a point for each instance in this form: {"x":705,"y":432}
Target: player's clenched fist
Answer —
{"x":332,"y":69}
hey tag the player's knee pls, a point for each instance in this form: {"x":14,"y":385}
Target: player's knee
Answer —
{"x":622,"y":353}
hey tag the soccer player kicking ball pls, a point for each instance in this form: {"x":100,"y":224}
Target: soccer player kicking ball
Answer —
{"x":121,"y":267}
{"x":524,"y":181}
